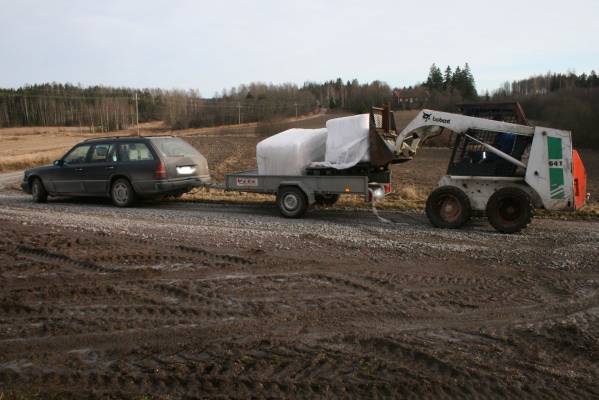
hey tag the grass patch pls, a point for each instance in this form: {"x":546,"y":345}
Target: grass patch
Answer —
{"x":408,"y":198}
{"x":16,"y":165}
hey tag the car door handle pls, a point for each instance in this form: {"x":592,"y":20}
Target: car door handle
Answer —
{"x":111,"y":167}
{"x":79,"y":169}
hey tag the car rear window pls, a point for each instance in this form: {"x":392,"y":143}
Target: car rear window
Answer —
{"x":173,"y":147}
{"x":135,"y":152}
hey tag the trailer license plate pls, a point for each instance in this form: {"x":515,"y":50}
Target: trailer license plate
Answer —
{"x":246,"y":181}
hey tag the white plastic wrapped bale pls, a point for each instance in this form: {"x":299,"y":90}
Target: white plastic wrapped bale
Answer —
{"x":347,"y":141}
{"x":291,"y":151}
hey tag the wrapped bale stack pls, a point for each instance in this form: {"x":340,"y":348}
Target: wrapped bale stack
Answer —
{"x":347,"y":142}
{"x":291,"y":151}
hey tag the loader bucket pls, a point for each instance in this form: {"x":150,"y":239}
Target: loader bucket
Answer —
{"x":382,"y":126}
{"x":580,"y":180}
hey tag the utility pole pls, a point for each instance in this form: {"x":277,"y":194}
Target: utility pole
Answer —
{"x":137,"y":113}
{"x":238,"y":114}
{"x":295,"y":110}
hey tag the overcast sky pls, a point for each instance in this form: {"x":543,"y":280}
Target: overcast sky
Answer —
{"x":211,"y":45}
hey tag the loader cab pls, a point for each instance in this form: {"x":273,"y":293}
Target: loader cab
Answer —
{"x":469,"y":157}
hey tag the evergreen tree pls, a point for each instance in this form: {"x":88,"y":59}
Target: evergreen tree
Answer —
{"x":435,"y":78}
{"x":447,"y":78}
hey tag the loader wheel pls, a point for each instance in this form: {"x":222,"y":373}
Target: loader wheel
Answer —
{"x":448,"y":207}
{"x":510,"y":210}
{"x":292,"y":202}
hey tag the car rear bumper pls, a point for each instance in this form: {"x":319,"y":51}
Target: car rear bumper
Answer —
{"x":170,"y":185}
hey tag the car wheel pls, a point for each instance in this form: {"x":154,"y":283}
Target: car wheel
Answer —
{"x":510,"y":210}
{"x":122,"y":193}
{"x":448,"y":207}
{"x":326,"y":199}
{"x":38,"y":191}
{"x":292,"y":202}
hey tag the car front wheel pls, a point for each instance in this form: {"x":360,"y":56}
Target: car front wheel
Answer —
{"x":38,"y":191}
{"x":122,"y":193}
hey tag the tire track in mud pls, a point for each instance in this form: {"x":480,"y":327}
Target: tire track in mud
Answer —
{"x":110,"y":315}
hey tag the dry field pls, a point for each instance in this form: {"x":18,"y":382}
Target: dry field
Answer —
{"x":232,"y":148}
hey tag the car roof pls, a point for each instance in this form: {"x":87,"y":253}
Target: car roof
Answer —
{"x":125,"y":138}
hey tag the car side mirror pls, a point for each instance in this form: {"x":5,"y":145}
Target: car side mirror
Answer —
{"x":58,"y":163}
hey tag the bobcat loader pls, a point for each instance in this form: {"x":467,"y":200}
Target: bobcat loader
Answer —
{"x":504,"y":169}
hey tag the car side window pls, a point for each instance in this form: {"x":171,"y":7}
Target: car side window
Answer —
{"x":135,"y":152}
{"x":103,"y":153}
{"x":77,"y":155}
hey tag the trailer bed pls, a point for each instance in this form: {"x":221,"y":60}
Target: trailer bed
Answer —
{"x":251,"y":181}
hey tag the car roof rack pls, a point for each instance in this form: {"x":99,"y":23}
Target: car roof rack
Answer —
{"x":125,"y":137}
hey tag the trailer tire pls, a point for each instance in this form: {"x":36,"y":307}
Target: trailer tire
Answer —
{"x":510,"y":210}
{"x":326,"y":199}
{"x":448,"y":207}
{"x":292,"y":202}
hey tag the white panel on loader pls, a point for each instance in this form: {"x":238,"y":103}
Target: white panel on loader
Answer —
{"x":291,"y":151}
{"x":549,"y":169}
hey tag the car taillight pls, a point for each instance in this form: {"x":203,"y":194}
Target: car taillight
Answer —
{"x":388,"y":188}
{"x":160,"y":172}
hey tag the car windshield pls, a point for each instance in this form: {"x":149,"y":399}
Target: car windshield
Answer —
{"x":174,"y":147}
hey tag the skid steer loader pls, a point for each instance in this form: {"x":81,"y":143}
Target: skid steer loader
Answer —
{"x":504,"y":169}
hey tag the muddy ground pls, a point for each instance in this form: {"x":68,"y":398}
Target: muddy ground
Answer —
{"x":191,"y":299}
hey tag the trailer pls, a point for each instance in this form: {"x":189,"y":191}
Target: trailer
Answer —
{"x":323,"y":185}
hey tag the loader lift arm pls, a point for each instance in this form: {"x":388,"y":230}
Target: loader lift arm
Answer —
{"x":429,"y":123}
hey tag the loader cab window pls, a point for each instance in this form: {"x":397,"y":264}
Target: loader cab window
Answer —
{"x":470,"y":158}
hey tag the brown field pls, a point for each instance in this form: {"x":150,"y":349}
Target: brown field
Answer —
{"x":232,"y":148}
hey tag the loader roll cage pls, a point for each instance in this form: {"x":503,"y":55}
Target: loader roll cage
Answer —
{"x":483,"y":147}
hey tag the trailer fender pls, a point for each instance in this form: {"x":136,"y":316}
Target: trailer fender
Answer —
{"x":303,"y":187}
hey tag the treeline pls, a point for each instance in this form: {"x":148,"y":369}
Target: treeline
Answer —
{"x":107,"y":108}
{"x":351,"y":95}
{"x":101,"y":108}
{"x":564,"y":101}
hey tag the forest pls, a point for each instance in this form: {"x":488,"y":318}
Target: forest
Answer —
{"x":565,"y":101}
{"x":568,"y":101}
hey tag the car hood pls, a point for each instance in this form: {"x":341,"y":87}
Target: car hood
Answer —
{"x":38,"y":170}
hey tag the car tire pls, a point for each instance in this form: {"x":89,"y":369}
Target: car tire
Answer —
{"x":38,"y":191}
{"x":292,"y":202}
{"x":448,"y":207}
{"x":326,"y":199}
{"x":121,"y":193}
{"x":509,"y":210}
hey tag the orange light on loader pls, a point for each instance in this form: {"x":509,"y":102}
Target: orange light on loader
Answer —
{"x":580,"y":180}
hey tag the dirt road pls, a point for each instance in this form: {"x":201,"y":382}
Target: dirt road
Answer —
{"x":176,"y":300}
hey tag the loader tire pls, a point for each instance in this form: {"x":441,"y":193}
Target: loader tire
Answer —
{"x":510,"y":210}
{"x":292,"y":202}
{"x":448,"y":207}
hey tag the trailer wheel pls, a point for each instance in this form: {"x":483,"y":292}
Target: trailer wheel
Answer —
{"x":510,"y":210}
{"x":448,"y":207}
{"x":326,"y":199}
{"x":292,"y":202}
